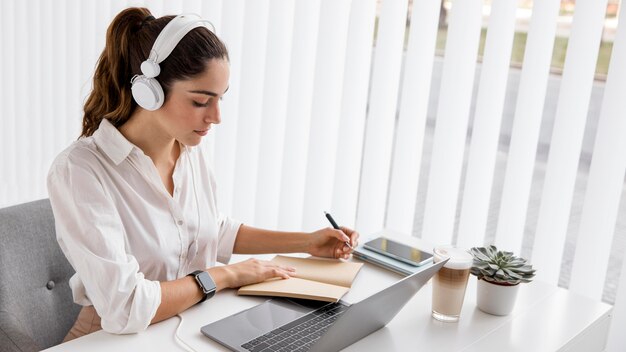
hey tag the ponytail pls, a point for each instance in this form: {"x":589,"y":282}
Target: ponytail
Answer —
{"x":111,"y":96}
{"x":129,"y":39}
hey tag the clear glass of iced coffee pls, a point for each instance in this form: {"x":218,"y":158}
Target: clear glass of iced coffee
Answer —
{"x":450,"y":282}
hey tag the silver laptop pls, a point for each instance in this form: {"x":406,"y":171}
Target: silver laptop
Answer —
{"x":302,"y":325}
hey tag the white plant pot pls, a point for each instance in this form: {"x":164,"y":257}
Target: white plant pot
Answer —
{"x":495,"y":299}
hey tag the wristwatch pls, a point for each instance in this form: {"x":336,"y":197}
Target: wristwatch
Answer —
{"x":206,"y":283}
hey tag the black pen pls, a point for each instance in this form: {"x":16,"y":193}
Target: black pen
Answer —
{"x":335,"y":226}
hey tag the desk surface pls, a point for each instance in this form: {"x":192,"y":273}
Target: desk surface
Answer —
{"x":545,"y":318}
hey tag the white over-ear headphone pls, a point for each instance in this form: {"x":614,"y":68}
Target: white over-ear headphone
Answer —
{"x":146,"y":90}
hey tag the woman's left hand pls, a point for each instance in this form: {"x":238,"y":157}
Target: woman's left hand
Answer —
{"x":331,"y":243}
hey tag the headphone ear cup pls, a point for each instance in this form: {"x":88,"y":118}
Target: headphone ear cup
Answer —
{"x":147,"y":92}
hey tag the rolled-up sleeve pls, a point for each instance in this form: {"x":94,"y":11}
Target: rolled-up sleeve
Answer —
{"x":227,"y":233}
{"x":90,"y":233}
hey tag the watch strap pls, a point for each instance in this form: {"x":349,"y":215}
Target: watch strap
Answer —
{"x":208,"y":292}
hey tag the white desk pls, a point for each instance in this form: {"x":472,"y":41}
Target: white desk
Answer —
{"x":545,"y":318}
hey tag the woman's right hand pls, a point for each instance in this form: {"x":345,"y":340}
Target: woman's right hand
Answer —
{"x":254,"y":270}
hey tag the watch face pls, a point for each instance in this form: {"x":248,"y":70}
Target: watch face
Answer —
{"x":206,"y":282}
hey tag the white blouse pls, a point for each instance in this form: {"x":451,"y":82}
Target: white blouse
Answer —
{"x":123,"y":232}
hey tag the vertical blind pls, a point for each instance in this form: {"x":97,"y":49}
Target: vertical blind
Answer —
{"x":567,"y":136}
{"x":486,"y":127}
{"x":381,"y":114}
{"x":526,"y":124}
{"x":452,"y":119}
{"x":327,"y":110}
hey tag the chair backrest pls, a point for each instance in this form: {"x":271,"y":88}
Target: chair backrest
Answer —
{"x":36,"y":306}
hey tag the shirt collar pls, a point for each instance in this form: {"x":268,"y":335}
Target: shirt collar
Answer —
{"x":112,"y":142}
{"x":116,"y":146}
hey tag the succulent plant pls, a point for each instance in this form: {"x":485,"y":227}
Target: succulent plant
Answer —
{"x":500,"y":267}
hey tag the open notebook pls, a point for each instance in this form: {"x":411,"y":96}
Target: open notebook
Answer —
{"x":318,"y":279}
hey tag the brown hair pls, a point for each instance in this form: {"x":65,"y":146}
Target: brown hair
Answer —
{"x":129,"y":38}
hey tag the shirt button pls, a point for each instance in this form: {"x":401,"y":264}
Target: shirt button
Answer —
{"x":180,"y":222}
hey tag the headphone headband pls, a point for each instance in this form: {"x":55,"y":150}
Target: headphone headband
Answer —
{"x":173,"y":32}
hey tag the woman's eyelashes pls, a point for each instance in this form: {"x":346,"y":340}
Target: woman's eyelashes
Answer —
{"x":207,"y":103}
{"x":201,"y":105}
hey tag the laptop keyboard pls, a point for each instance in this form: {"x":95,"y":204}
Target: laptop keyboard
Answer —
{"x":300,"y":334}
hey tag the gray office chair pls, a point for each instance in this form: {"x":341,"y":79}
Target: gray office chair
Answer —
{"x":36,"y":306}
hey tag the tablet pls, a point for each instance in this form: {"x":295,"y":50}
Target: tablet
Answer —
{"x":398,"y":251}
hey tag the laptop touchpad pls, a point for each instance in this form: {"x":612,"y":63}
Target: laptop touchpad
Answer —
{"x":256,"y":321}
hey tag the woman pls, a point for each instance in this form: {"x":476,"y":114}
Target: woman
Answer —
{"x":134,"y":200}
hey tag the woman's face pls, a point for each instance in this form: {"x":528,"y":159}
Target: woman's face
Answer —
{"x":192,"y":106}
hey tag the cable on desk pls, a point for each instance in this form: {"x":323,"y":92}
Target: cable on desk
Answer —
{"x":180,"y":341}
